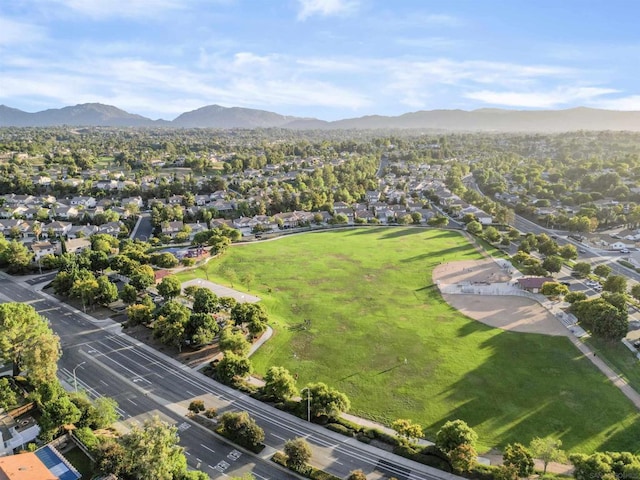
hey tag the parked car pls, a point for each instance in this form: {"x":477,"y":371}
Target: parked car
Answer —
{"x":624,"y":250}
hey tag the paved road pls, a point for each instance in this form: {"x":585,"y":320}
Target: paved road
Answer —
{"x":143,"y":228}
{"x":144,"y":381}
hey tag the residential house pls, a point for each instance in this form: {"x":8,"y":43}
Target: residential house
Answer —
{"x":16,"y":433}
{"x":82,"y":231}
{"x":619,"y":246}
{"x":57,"y":228}
{"x":110,"y":228}
{"x":77,"y":245}
{"x":65,"y":211}
{"x":86,"y":202}
{"x":172,"y":228}
{"x":41,"y":249}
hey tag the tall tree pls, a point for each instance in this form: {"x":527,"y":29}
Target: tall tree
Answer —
{"x":279,"y":384}
{"x":298,"y":452}
{"x":518,"y":456}
{"x":27,"y":341}
{"x":326,"y":401}
{"x":170,"y":287}
{"x":548,"y":450}
{"x":152,"y":451}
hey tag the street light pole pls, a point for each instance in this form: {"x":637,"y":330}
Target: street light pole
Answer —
{"x":308,"y":403}
{"x":75,"y":380}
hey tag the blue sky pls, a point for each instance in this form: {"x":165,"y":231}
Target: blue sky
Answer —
{"x":327,"y":59}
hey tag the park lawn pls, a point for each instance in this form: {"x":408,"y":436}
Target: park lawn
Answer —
{"x":379,"y":331}
{"x":619,"y":358}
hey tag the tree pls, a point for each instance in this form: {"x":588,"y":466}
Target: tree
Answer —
{"x":326,"y":401}
{"x":618,"y":300}
{"x":635,"y":291}
{"x":241,"y":428}
{"x":27,"y":341}
{"x":201,"y":329}
{"x":438,"y":221}
{"x":552,"y":264}
{"x":463,"y":457}
{"x":99,"y":261}
{"x":568,"y":252}
{"x":205,"y":301}
{"x":16,"y":256}
{"x":581,"y":269}
{"x":602,"y":270}
{"x":105,"y":413}
{"x":573,"y":297}
{"x":548,"y":247}
{"x":128,"y":294}
{"x":279,"y":384}
{"x":453,"y":434}
{"x":152,"y":451}
{"x":589,"y":467}
{"x":196,"y":406}
{"x":548,"y":450}
{"x":553,"y":289}
{"x":298,"y":452}
{"x":615,"y":284}
{"x":252,"y":314}
{"x":86,"y":289}
{"x":8,"y":398}
{"x":107,"y":292}
{"x":170,"y":287}
{"x":602,"y":318}
{"x":111,"y":458}
{"x":55,"y":414}
{"x":232,"y":340}
{"x":171,"y":324}
{"x":139,"y":314}
{"x":407,"y":429}
{"x":142,"y":277}
{"x":492,"y":234}
{"x":357,"y":475}
{"x":518,"y":456}
{"x":474,"y":227}
{"x":233,"y":367}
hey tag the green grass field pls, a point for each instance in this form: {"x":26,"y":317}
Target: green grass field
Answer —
{"x":369,"y":297}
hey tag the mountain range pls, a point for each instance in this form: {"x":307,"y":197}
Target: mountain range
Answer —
{"x":215,"y":116}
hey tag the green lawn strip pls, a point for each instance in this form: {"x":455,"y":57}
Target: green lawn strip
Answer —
{"x":619,"y":358}
{"x":371,"y":303}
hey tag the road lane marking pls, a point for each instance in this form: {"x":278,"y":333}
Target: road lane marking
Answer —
{"x":204,"y":446}
{"x":132,"y":402}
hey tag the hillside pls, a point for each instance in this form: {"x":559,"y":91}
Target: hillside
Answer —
{"x":216,"y":116}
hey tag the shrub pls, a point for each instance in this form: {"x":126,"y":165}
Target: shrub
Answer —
{"x":336,"y":427}
{"x":211,"y":412}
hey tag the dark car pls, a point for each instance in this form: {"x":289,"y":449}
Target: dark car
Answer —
{"x":566,"y":284}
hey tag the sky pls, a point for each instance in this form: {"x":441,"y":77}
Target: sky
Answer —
{"x":328,"y":59}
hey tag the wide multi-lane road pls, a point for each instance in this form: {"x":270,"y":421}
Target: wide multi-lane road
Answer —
{"x":146,"y":382}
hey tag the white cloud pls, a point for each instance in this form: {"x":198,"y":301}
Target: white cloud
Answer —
{"x":98,"y":9}
{"x":325,"y":8}
{"x":14,"y":32}
{"x":540,"y":99}
{"x":630,"y":103}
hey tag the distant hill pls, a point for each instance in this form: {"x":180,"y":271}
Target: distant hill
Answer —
{"x":215,"y":116}
{"x":87,"y":114}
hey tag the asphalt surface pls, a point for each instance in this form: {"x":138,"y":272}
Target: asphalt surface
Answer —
{"x":146,"y":382}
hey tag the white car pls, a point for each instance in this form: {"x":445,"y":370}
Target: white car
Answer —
{"x":624,"y":250}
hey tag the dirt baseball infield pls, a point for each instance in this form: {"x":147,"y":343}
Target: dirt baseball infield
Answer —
{"x":518,"y":314}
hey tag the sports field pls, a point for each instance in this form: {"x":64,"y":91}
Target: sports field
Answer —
{"x":357,"y":309}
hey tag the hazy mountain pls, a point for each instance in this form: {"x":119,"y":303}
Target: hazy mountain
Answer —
{"x":503,"y":120}
{"x":215,"y":116}
{"x":87,"y":114}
